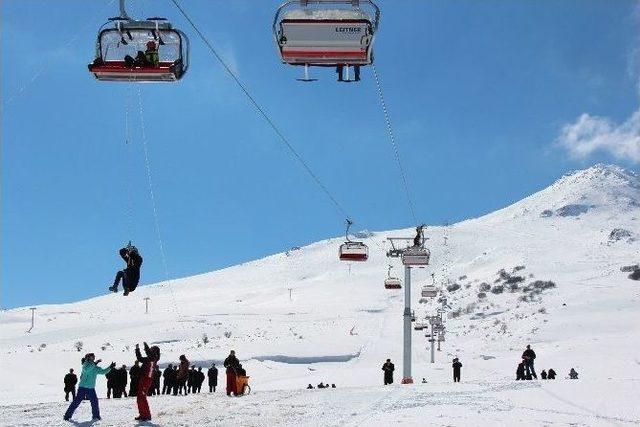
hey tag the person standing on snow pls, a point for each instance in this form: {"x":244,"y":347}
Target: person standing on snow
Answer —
{"x":166,"y":379}
{"x":182,"y":376}
{"x":121,"y":382}
{"x":134,"y":375}
{"x":130,"y":276}
{"x":231,"y":364}
{"x":191,"y":380}
{"x":388,"y":369}
{"x":456,"y":370}
{"x":529,"y":356}
{"x":155,"y":389}
{"x":87,"y":387}
{"x":70,"y":381}
{"x":212,"y":375}
{"x":145,"y":381}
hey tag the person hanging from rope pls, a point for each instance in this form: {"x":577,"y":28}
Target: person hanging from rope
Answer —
{"x":130,"y":276}
{"x":417,"y":241}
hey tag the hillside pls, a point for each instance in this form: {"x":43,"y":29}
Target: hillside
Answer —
{"x":545,"y":270}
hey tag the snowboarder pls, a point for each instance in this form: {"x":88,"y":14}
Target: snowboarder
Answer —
{"x":87,"y":387}
{"x":182,"y":376}
{"x":551,"y":374}
{"x":70,"y":381}
{"x":529,"y":356}
{"x":573,"y":374}
{"x":231,"y":364}
{"x":166,"y":383}
{"x":149,"y":362}
{"x":212,"y":374}
{"x":134,"y":375}
{"x":388,"y":369}
{"x":456,"y":370}
{"x":520,"y":371}
{"x":130,"y":276}
{"x":543,"y":374}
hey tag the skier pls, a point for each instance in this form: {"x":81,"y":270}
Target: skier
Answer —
{"x":182,"y":376}
{"x":149,"y":363}
{"x":231,"y":363}
{"x":456,"y":370}
{"x":551,"y":374}
{"x":87,"y":387}
{"x":529,"y":356}
{"x":212,"y":374}
{"x":573,"y":374}
{"x":70,"y":381}
{"x":130,"y":276}
{"x":520,"y":371}
{"x":388,"y":369}
{"x":166,"y":376}
{"x":543,"y":374}
{"x":134,"y":375}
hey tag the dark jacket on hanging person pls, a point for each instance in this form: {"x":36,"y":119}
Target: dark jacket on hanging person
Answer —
{"x":132,"y":272}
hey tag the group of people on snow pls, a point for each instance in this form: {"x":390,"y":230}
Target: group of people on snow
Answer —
{"x":90,"y":371}
{"x":526,"y":370}
{"x":144,"y":380}
{"x":389,"y":367}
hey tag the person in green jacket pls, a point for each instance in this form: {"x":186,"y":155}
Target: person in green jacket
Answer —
{"x":87,"y":387}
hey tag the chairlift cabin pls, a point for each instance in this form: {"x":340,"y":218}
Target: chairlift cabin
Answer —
{"x":326,"y":33}
{"x":353,"y":251}
{"x":392,"y":282}
{"x":429,"y":291}
{"x":150,"y":50}
{"x":416,"y":256}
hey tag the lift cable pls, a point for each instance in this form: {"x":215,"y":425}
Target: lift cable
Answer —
{"x":263,"y":113}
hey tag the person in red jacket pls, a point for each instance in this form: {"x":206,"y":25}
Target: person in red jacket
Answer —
{"x":146,"y":379}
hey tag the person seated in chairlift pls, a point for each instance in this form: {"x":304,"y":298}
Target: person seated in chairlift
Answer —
{"x":417,"y":241}
{"x":148,"y":58}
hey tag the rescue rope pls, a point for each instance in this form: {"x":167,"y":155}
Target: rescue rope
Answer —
{"x":129,"y":172}
{"x":392,"y":139}
{"x":264,"y":114}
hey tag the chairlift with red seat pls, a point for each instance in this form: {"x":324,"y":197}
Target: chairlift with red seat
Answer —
{"x":353,"y":251}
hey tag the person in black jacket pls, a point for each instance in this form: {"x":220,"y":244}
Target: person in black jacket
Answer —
{"x":167,"y":385}
{"x":388,"y":369}
{"x":130,"y":276}
{"x":520,"y":371}
{"x":529,"y":356}
{"x":551,"y":374}
{"x":155,"y":387}
{"x":111,"y":377}
{"x":191,"y":379}
{"x":121,"y":382}
{"x":134,"y":377}
{"x":70,"y":381}
{"x":456,"y":370}
{"x":212,"y":375}
{"x":543,"y":374}
{"x":199,"y":379}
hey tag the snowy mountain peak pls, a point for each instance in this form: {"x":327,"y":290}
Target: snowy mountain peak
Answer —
{"x":601,"y":175}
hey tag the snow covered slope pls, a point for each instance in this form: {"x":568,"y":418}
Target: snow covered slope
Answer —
{"x":544,"y":271}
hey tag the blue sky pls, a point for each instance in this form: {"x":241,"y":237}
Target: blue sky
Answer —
{"x":490,"y":101}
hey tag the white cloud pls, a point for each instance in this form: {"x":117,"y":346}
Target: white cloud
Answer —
{"x":592,"y":134}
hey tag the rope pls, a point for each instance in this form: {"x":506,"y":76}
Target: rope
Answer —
{"x":392,"y":139}
{"x":129,"y":172}
{"x":264,"y":114}
{"x":156,"y":217}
